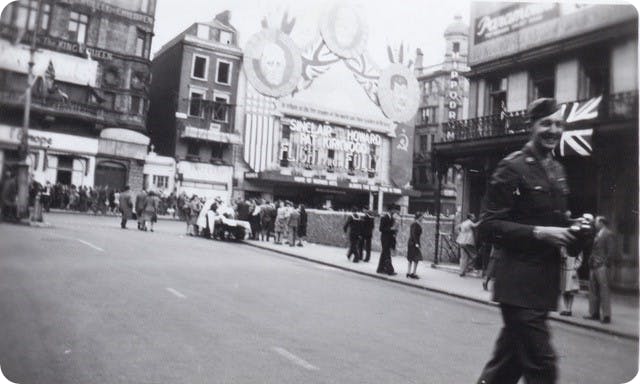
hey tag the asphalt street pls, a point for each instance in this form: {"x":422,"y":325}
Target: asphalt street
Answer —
{"x":86,"y":302}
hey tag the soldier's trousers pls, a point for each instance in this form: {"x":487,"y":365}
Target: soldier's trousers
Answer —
{"x":522,"y":349}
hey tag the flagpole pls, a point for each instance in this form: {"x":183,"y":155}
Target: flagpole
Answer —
{"x":23,"y":166}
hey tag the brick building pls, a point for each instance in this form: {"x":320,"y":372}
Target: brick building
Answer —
{"x":90,"y":98}
{"x":192,"y":114}
{"x":586,"y":57}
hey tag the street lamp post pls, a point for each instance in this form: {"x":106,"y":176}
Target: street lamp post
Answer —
{"x":23,"y":153}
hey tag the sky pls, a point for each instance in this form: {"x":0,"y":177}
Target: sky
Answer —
{"x":416,"y":23}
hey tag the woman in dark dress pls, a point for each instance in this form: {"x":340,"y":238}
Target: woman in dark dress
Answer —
{"x":413,"y":252}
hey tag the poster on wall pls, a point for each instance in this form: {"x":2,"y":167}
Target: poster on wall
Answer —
{"x":402,"y":154}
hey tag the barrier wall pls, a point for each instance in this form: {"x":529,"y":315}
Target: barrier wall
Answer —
{"x":326,"y":227}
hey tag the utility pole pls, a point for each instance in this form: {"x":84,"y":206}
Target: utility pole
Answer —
{"x":23,"y":166}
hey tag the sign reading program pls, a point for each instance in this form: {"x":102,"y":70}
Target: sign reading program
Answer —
{"x":512,"y":18}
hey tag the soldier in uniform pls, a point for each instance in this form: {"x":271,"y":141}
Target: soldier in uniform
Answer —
{"x":526,"y":202}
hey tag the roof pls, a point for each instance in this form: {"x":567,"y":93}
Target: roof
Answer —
{"x":457,"y":27}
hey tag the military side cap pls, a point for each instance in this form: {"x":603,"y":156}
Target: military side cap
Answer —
{"x":540,"y":108}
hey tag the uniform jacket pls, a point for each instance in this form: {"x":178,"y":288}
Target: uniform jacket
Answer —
{"x":604,"y":248}
{"x":521,"y":195}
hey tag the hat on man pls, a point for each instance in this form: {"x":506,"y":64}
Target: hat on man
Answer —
{"x":540,"y":108}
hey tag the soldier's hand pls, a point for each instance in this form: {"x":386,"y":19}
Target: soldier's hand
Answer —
{"x":557,"y":236}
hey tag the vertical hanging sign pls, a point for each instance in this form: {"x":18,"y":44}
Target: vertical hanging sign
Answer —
{"x":453,"y":89}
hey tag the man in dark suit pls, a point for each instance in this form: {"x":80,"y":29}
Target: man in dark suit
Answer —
{"x":141,"y":198}
{"x":526,"y":201}
{"x":387,"y":242}
{"x":604,"y":249}
{"x":354,"y":227}
{"x":367,"y":233}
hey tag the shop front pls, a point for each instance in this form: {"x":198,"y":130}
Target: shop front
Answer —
{"x":205,"y":180}
{"x":120,"y":160}
{"x":53,"y":157}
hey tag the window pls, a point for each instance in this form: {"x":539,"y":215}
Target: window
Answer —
{"x":497,"y":90}
{"x":226,"y":37}
{"x":593,"y":75}
{"x":78,"y":27}
{"x":141,"y":42}
{"x":110,"y":100}
{"x":424,"y":143}
{"x":22,"y":11}
{"x":137,"y":105}
{"x":161,"y":181}
{"x":193,"y":149}
{"x":199,"y":67}
{"x":217,"y":149}
{"x":202,"y":31}
{"x":456,"y":47}
{"x":195,"y":102}
{"x":542,"y":82}
{"x":223,"y":72}
{"x":428,"y":115}
{"x":220,"y":108}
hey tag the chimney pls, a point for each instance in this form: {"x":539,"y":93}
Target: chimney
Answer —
{"x":224,"y":17}
{"x":418,"y":65}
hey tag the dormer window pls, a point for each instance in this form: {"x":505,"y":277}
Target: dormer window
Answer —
{"x":226,"y":37}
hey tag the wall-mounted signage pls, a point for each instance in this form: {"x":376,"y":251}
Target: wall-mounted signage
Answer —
{"x":512,"y":18}
{"x":111,"y":9}
{"x":314,"y":145}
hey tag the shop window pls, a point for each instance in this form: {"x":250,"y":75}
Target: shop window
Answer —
{"x":196,"y":103}
{"x":542,"y":82}
{"x":78,"y":27}
{"x":593,"y":75}
{"x":223,"y":72}
{"x":497,"y":95}
{"x":217,"y":151}
{"x":20,"y":12}
{"x":221,"y":108}
{"x":202,"y":31}
{"x":199,"y":67}
{"x":226,"y":37}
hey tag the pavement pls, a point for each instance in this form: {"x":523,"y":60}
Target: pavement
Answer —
{"x":444,"y":279}
{"x":83,"y":301}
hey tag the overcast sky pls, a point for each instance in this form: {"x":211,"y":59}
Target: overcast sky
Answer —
{"x":418,"y":23}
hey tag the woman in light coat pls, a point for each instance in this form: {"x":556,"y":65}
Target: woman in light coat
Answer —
{"x":150,"y":210}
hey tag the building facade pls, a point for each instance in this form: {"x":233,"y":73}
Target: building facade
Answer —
{"x":444,"y":96}
{"x":193,"y":99}
{"x":90,"y":98}
{"x":586,"y":57}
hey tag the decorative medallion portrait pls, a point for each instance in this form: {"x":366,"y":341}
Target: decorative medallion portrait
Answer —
{"x":398,"y":93}
{"x":273,"y":63}
{"x":344,"y":31}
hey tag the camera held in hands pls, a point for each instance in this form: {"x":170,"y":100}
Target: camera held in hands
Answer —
{"x":584,"y":230}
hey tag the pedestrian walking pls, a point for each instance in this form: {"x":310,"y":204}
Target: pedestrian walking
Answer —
{"x":254,"y":220}
{"x":293,"y":222}
{"x":604,"y":249}
{"x":150,"y":210}
{"x":524,"y":215}
{"x":368,"y":223}
{"x":353,"y":226}
{"x":569,"y":284}
{"x":466,"y":240}
{"x":46,"y":196}
{"x":414,"y":255}
{"x":267,"y":213}
{"x":302,"y":227}
{"x":141,"y":198}
{"x":193,"y":211}
{"x":125,"y":205}
{"x":387,"y":241}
